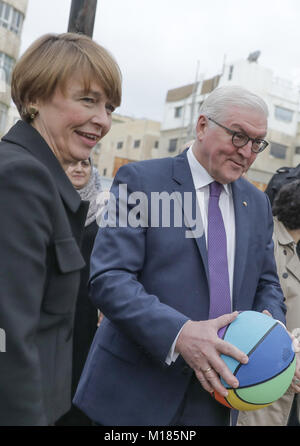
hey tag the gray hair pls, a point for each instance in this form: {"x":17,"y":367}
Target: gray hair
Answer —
{"x":221,"y":99}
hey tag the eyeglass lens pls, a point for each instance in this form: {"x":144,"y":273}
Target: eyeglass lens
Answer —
{"x":240,"y":140}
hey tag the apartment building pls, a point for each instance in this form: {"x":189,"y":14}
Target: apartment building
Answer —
{"x":128,"y":140}
{"x":282,"y":96}
{"x":12,"y":15}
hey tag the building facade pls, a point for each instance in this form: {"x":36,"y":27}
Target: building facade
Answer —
{"x":12,"y":15}
{"x":128,"y":140}
{"x":282,"y":97}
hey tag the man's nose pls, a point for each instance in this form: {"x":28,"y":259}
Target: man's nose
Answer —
{"x":246,"y":150}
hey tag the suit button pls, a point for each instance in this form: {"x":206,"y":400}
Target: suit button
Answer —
{"x":185,"y":369}
{"x":285,"y":275}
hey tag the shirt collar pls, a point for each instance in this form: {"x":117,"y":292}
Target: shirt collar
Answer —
{"x":200,"y":175}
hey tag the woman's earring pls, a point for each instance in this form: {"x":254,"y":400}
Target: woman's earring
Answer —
{"x":33,"y":112}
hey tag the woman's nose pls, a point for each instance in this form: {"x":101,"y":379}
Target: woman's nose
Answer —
{"x":102,"y":119}
{"x":78,"y":167}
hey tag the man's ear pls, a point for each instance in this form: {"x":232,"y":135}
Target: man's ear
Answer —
{"x":202,"y":126}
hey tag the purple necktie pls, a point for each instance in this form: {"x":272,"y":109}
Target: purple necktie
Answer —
{"x":220,"y":302}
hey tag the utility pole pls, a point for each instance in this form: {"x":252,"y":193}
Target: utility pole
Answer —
{"x":82,"y":17}
{"x":190,"y":130}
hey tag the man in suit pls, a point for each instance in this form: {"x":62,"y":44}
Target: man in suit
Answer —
{"x":155,"y":358}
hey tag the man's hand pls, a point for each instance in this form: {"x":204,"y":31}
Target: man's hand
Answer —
{"x":200,"y":346}
{"x":295,"y":385}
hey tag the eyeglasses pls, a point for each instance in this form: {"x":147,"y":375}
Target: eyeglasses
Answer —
{"x":240,"y":139}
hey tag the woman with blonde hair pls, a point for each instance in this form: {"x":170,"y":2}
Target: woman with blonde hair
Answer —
{"x":65,"y":87}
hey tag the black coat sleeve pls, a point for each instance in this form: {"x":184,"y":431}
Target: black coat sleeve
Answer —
{"x":25,"y":230}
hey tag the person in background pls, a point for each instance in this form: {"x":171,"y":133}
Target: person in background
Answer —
{"x":65,"y":87}
{"x":283,"y":175}
{"x":86,"y":180}
{"x":286,"y":211}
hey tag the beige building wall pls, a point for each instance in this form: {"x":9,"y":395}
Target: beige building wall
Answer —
{"x":12,"y":117}
{"x":10,"y":41}
{"x":296,"y":160}
{"x":128,"y":140}
{"x":180,"y":135}
{"x":266,"y":164}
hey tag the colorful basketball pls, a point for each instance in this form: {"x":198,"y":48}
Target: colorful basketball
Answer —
{"x":271,"y":365}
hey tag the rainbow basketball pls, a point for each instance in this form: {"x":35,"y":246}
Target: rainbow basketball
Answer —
{"x":271,"y":366}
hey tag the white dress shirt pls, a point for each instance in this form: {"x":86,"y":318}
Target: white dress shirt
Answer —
{"x":202,"y":180}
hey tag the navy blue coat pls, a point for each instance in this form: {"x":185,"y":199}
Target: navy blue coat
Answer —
{"x":41,"y":225}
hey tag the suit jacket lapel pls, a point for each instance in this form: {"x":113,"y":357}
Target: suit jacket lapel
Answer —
{"x":183,"y":183}
{"x":241,"y":209}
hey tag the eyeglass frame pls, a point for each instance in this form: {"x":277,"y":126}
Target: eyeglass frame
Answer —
{"x":234,"y":132}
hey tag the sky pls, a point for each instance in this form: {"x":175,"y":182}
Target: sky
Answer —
{"x":158,"y":44}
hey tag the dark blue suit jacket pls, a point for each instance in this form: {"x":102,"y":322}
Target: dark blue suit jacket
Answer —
{"x":148,"y":281}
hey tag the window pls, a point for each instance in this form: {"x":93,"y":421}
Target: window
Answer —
{"x":7,"y":65}
{"x":17,"y":21}
{"x":178,"y":112}
{"x":120,"y":145}
{"x":230,"y":72}
{"x":137,"y":143}
{"x":297,"y":150}
{"x":11,"y":18}
{"x":283,"y":114}
{"x":104,"y":172}
{"x":5,"y":12}
{"x":172,"y":145}
{"x":2,"y":81}
{"x":156,"y":144}
{"x":3,"y":117}
{"x":278,"y":150}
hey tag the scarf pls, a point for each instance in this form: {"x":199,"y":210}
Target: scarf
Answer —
{"x":89,"y":193}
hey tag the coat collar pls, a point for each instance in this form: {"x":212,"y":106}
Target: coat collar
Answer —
{"x":28,"y":138}
{"x":288,"y":245}
{"x":283,"y":236}
{"x":181,"y":169}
